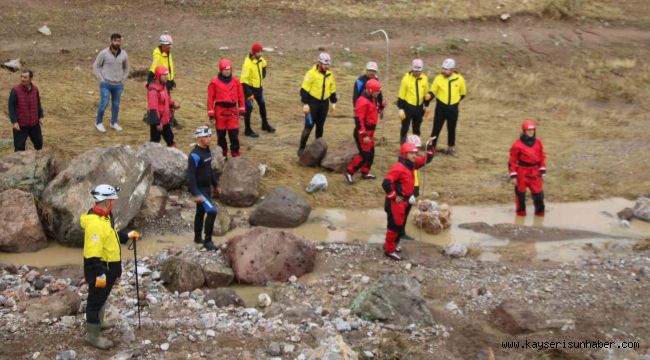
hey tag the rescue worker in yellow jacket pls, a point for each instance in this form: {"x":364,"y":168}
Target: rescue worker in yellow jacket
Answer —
{"x":449,"y":89}
{"x":162,"y":56}
{"x":253,"y":71}
{"x":102,"y":260}
{"x":318,"y":97}
{"x":411,"y":100}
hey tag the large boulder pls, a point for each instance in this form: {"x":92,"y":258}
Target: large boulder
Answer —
{"x":217,"y":275}
{"x":393,"y":298}
{"x":21,"y":227}
{"x":333,"y":348}
{"x":642,"y":209}
{"x":218,"y":161}
{"x":240,"y":183}
{"x":262,"y":255}
{"x":29,"y":171}
{"x":69,"y":193}
{"x":515,"y":318}
{"x":181,"y":275}
{"x":314,"y":153}
{"x":169,"y":165}
{"x":60,"y":304}
{"x":154,"y":204}
{"x":281,"y":208}
{"x":338,"y":159}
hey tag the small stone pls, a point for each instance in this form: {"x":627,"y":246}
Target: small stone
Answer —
{"x":505,"y":17}
{"x":368,"y":354}
{"x":146,"y":342}
{"x":211,"y":302}
{"x":342,"y":325}
{"x":408,"y":266}
{"x":224,"y":48}
{"x":210,"y":333}
{"x":164,"y":347}
{"x":289,"y":348}
{"x":365,"y":279}
{"x":293,"y":279}
{"x":295,"y":338}
{"x":274,"y":349}
{"x":263,"y":300}
{"x":36,"y":355}
{"x":67,"y":355}
{"x":128,"y":336}
{"x":152,"y":300}
{"x":345,"y":293}
{"x":45,"y":30}
{"x":456,"y":250}
{"x":624,"y":224}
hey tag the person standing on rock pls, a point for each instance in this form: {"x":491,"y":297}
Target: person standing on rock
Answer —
{"x":102,"y":260}
{"x":225,"y":106}
{"x":253,"y":71}
{"x":203,"y":185}
{"x":318,"y":97}
{"x":160,"y":106}
{"x":366,"y":117}
{"x":162,"y":56}
{"x":527,"y":167}
{"x":413,"y":100}
{"x":111,"y":67}
{"x":399,"y":186}
{"x":449,"y":89}
{"x":26,"y":113}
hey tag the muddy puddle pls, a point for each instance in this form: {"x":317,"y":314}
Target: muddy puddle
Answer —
{"x":346,"y":225}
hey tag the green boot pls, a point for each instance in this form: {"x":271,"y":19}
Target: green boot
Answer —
{"x":95,"y":338}
{"x":104,"y":323}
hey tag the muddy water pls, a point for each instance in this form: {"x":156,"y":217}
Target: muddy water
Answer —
{"x":345,"y":225}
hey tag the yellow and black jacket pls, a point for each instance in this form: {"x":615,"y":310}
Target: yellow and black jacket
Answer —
{"x":318,"y":86}
{"x":102,"y":252}
{"x":449,"y":90}
{"x":412,"y":90}
{"x":253,"y":71}
{"x":161,"y":59}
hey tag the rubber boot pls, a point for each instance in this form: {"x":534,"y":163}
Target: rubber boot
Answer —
{"x":104,"y":324}
{"x":95,"y":338}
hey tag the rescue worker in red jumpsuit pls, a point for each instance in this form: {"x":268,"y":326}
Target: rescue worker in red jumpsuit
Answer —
{"x":225,"y":106}
{"x":399,"y":186}
{"x":159,"y":108}
{"x":527,"y":166}
{"x":366,"y":117}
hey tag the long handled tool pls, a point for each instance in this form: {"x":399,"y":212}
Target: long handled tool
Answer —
{"x":422,"y":190}
{"x":386,"y":78}
{"x":132,"y":246}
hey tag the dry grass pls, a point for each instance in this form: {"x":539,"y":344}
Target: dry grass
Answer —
{"x":590,"y":99}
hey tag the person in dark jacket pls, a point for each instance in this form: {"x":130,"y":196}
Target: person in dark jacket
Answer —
{"x":102,"y":260}
{"x":360,"y":85}
{"x":26,"y":113}
{"x":203,"y":186}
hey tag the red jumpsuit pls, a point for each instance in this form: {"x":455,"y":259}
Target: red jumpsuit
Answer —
{"x":528,"y":164}
{"x":400,"y":181}
{"x":366,"y":114}
{"x":225,"y":105}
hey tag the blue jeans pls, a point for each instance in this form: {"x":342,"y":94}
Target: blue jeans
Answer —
{"x":115,"y":91}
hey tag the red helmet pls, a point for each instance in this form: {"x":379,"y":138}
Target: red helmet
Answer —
{"x":161,"y":70}
{"x":373,"y":85}
{"x":407,"y":148}
{"x":528,"y":125}
{"x":257,"y":47}
{"x":225,"y":64}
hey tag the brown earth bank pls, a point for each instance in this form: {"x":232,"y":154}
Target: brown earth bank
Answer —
{"x":574,"y":66}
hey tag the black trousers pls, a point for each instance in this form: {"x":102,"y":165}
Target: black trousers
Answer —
{"x":32,"y":132}
{"x":450,"y":114}
{"x":97,"y":296}
{"x":204,"y":220}
{"x":258,"y":95}
{"x":233,"y":136}
{"x":414,"y":115}
{"x":318,"y":112}
{"x":167,"y":134}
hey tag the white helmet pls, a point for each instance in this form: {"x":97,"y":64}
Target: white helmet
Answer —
{"x":104,"y":192}
{"x":417,"y":65}
{"x":372,"y":66}
{"x":414,"y":139}
{"x":202,"y":131}
{"x":166,"y":39}
{"x":448,"y":64}
{"x":324,"y":58}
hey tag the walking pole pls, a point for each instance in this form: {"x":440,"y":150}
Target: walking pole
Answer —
{"x":132,"y":246}
{"x":423,"y":192}
{"x":381,"y":129}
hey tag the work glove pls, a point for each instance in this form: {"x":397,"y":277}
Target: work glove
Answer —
{"x":100,"y":281}
{"x":412,"y":200}
{"x":332,"y":108}
{"x":402,"y":114}
{"x":305,"y":109}
{"x":133,"y":235}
